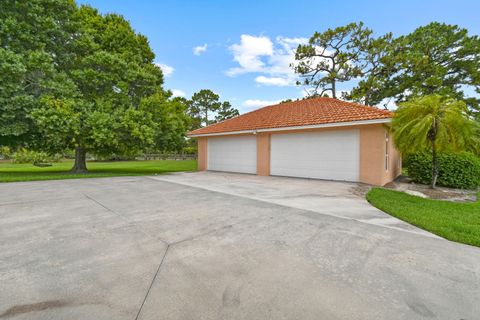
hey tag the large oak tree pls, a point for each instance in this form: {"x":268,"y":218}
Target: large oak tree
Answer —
{"x":77,"y":79}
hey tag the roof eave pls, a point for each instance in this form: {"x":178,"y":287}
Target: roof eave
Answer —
{"x":314,"y":126}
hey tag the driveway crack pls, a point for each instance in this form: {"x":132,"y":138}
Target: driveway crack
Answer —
{"x":152,"y":282}
{"x":123,"y":218}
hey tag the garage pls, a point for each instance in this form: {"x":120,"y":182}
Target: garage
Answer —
{"x":332,"y":155}
{"x":233,"y":154}
{"x":317,"y":138}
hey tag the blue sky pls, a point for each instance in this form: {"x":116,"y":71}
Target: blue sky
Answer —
{"x":243,"y":47}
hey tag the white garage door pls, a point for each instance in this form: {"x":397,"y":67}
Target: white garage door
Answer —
{"x":333,"y":155}
{"x":234,"y":154}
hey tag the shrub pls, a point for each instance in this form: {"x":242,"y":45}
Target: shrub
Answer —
{"x":29,"y":156}
{"x":190,"y":149}
{"x":5,"y":153}
{"x":457,"y":170}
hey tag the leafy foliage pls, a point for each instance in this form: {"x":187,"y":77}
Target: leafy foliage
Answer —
{"x":415,"y":120}
{"x":202,"y":103}
{"x":76,"y":79}
{"x":30,"y":156}
{"x":457,"y":170}
{"x":436,"y":124}
{"x":205,"y":103}
{"x":437,"y":58}
{"x":331,"y":56}
{"x":434,"y":59}
{"x":170,"y":118}
{"x":225,"y":112}
{"x":35,"y":38}
{"x":5,"y":152}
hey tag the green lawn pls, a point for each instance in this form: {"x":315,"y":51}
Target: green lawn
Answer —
{"x":454,"y":221}
{"x":26,"y":172}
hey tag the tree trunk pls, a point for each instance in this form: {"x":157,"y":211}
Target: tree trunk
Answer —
{"x":334,"y":90}
{"x":434,"y":166}
{"x":80,"y":165}
{"x":434,"y":154}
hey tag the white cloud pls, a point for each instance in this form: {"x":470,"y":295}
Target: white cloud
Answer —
{"x":273,"y":81}
{"x":178,"y":93}
{"x":198,"y":50}
{"x":248,"y":54}
{"x":166,"y":69}
{"x":259,"y":54}
{"x":254,"y":103}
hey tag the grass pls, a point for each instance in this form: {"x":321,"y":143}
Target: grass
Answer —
{"x":454,"y":221}
{"x":27,"y":172}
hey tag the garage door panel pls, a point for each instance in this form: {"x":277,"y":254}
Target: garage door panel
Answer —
{"x":232,"y":154}
{"x":321,"y":155}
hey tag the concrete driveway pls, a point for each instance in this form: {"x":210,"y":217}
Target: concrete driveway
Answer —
{"x":221,"y":246}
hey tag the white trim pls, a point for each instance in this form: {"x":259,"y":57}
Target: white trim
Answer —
{"x":328,"y":125}
{"x":221,"y":133}
{"x":315,"y":126}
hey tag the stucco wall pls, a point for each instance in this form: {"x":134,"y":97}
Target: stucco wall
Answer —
{"x":373,"y":146}
{"x":263,"y":154}
{"x":202,"y":153}
{"x":372,"y":153}
{"x":395,"y":164}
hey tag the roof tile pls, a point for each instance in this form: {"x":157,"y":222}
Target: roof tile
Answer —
{"x":306,"y":112}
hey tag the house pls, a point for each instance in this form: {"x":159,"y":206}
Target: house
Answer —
{"x":319,"y":138}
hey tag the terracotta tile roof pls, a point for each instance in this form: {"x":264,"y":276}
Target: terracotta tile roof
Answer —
{"x":313,"y":111}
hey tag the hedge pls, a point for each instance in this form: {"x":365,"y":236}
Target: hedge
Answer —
{"x":456,"y":170}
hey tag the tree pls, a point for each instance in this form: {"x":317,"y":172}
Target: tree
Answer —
{"x":434,"y":59}
{"x":226,"y":111}
{"x":376,"y":63}
{"x":433,"y":123}
{"x":335,"y":55}
{"x":170,"y":118}
{"x":75,"y":79}
{"x":35,"y":38}
{"x":202,"y":103}
{"x":99,"y":108}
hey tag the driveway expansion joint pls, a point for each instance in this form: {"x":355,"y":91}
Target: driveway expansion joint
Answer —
{"x":152,"y":282}
{"x":123,"y":218}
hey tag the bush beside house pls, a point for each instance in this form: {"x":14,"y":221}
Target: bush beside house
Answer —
{"x":456,"y":170}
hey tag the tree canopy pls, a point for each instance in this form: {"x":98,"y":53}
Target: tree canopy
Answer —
{"x":206,"y":108}
{"x":434,"y":59}
{"x":77,"y":79}
{"x":35,"y":39}
{"x":437,"y":58}
{"x":332,"y":56}
{"x":225,"y":112}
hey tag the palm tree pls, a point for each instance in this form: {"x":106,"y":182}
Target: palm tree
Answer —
{"x":433,"y":123}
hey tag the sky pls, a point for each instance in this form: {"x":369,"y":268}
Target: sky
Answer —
{"x":241,"y":50}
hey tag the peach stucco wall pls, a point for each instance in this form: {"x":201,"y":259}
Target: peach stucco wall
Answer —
{"x":372,"y":153}
{"x":263,"y":154}
{"x":373,"y":169}
{"x":202,"y":153}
